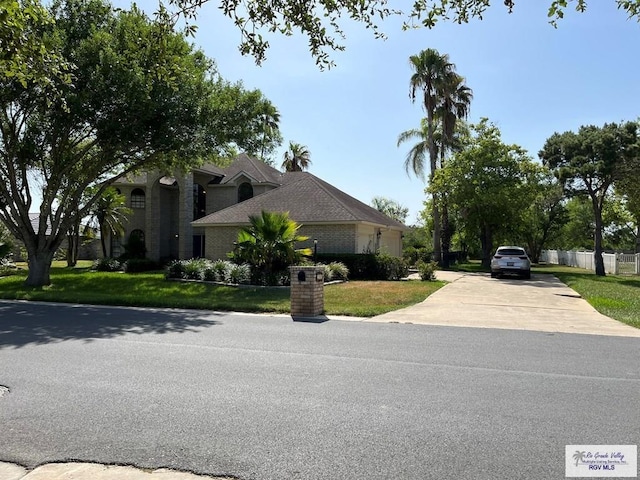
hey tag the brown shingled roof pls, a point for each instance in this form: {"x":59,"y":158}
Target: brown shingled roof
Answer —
{"x":308,"y":199}
{"x":257,"y":169}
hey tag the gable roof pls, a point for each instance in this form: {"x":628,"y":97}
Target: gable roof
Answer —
{"x":255,"y":169}
{"x":308,"y":200}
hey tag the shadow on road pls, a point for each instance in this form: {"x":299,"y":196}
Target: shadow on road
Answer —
{"x":25,"y":323}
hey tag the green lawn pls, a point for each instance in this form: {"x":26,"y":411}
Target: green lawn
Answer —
{"x":615,"y":296}
{"x":81,"y":285}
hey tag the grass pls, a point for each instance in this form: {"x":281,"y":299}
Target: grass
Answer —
{"x":615,"y":296}
{"x":81,"y":285}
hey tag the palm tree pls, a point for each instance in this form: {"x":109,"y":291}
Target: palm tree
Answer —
{"x":297,"y":158}
{"x":268,"y":245}
{"x":270,"y":126}
{"x":443,"y":95}
{"x":416,"y":157}
{"x":112,"y":214}
{"x":431,"y":71}
{"x":455,"y":100}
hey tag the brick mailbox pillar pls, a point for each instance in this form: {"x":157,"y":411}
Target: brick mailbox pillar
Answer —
{"x":307,"y":291}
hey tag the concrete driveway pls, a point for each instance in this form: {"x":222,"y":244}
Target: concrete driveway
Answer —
{"x":542,"y":303}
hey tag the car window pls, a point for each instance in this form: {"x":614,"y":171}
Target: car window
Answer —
{"x":510,"y":251}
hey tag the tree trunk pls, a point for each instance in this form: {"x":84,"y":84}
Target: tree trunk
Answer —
{"x":39,"y":267}
{"x":597,"y":235}
{"x":433,"y":161}
{"x":446,"y":235}
{"x":73,"y":241}
{"x":599,"y":262}
{"x":486,"y":241}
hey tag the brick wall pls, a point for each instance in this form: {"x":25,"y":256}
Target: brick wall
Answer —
{"x":219,"y":241}
{"x":331,"y":238}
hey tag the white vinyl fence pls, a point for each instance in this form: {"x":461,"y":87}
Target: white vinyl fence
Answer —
{"x":614,"y":263}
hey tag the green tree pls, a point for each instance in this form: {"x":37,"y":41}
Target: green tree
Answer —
{"x":431,"y":72}
{"x":454,"y":106}
{"x":141,"y":98}
{"x":390,"y":208}
{"x":111,"y":214}
{"x":543,"y":219}
{"x":320,"y":20}
{"x":25,"y":56}
{"x":588,"y":162}
{"x":489,"y":184}
{"x":268,"y":245}
{"x":297,"y":158}
{"x":446,"y":100}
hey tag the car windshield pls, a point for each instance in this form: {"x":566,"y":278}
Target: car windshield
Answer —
{"x":511,"y":251}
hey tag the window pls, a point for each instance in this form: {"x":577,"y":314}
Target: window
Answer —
{"x":137,"y":198}
{"x":199,"y":201}
{"x":245,"y":192}
{"x":116,"y":246}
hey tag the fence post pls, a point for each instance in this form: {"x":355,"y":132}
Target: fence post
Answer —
{"x":637,"y":263}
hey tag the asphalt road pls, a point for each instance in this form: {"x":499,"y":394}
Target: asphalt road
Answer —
{"x":261,"y":397}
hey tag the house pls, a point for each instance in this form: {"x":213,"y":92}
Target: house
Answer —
{"x":199,"y":214}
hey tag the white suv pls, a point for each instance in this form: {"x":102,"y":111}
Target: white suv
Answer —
{"x":510,"y":260}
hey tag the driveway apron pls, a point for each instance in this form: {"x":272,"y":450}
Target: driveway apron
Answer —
{"x":542,"y":303}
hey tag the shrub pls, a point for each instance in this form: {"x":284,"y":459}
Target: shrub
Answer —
{"x":392,"y":268}
{"x":107,"y":264}
{"x":369,"y":266}
{"x":239,"y":273}
{"x":175,"y":269}
{"x":427,"y":271}
{"x":413,"y":255}
{"x":328,"y":273}
{"x":134,"y":265}
{"x":339,"y":271}
{"x":195,"y":268}
{"x":222,"y":269}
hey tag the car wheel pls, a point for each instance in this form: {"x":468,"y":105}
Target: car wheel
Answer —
{"x":527,"y":275}
{"x":494,"y":275}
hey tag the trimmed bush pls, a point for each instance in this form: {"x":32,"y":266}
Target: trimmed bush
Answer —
{"x":107,"y":264}
{"x":134,"y":265}
{"x":369,"y":266}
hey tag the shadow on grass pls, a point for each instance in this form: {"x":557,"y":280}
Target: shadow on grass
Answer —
{"x":27,"y":323}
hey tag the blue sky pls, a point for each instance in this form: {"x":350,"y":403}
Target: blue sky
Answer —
{"x":527,"y":77}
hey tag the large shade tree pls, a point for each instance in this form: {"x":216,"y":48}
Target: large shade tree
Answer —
{"x":588,"y":162}
{"x":140,"y":97}
{"x":489,"y":184}
{"x":321,"y":21}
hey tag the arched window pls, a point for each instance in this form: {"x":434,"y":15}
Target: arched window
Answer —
{"x":245,"y":192}
{"x":199,"y":201}
{"x":137,"y":198}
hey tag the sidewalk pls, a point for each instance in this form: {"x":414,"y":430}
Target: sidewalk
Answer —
{"x":94,"y":471}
